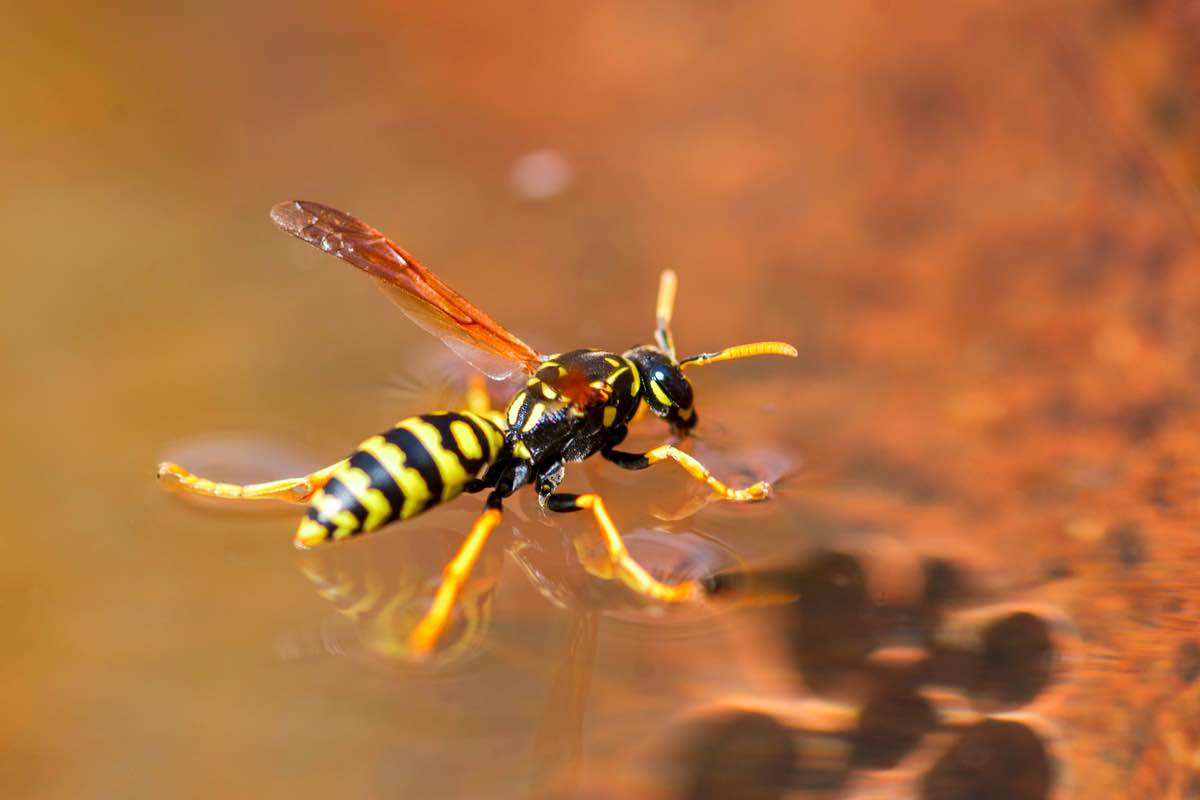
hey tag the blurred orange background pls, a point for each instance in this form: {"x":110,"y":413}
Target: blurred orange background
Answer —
{"x":975,"y":220}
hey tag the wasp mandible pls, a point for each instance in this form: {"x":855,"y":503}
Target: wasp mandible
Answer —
{"x":574,"y":405}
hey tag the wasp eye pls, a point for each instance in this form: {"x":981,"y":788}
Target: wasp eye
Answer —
{"x":678,"y":389}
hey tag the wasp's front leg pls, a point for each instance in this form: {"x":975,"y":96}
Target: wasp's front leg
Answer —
{"x":620,"y":565}
{"x":757,"y":491}
{"x":548,"y":480}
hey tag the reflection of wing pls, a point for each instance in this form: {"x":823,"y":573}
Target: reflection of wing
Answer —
{"x":558,"y":747}
{"x":468,"y":331}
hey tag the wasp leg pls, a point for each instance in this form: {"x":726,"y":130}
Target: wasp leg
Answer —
{"x":290,"y":490}
{"x":479,"y":399}
{"x":548,"y":481}
{"x":427,"y":632}
{"x":757,"y":491}
{"x":621,"y":565}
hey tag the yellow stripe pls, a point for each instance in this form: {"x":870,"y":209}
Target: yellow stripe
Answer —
{"x":514,"y":408}
{"x":310,"y":533}
{"x":454,"y":476}
{"x":409,"y":480}
{"x":637,"y":381}
{"x":495,"y":439}
{"x":377,"y":505}
{"x":538,"y":410}
{"x":610,"y":416}
{"x":466,"y":440}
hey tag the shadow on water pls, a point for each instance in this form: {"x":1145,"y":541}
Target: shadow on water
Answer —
{"x":899,"y":695}
{"x":906,"y":687}
{"x":380,"y":587}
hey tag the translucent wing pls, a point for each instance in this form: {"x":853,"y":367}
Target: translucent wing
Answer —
{"x":477,"y":338}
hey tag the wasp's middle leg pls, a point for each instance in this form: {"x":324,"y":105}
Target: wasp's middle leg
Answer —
{"x":427,"y":632}
{"x":621,"y":564}
{"x":757,"y":491}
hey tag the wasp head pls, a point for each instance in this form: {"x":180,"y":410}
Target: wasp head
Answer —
{"x":665,"y":388}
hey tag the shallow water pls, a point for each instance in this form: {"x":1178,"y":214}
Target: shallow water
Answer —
{"x":976,"y":224}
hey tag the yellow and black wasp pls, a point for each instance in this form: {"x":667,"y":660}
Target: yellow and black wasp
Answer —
{"x":574,"y":405}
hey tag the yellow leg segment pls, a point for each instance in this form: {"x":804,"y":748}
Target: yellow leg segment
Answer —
{"x":757,"y":491}
{"x":289,"y":490}
{"x":479,"y":401}
{"x":427,"y":632}
{"x":621,"y":565}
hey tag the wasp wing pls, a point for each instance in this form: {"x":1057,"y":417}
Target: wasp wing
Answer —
{"x":424,"y":298}
{"x":495,"y":366}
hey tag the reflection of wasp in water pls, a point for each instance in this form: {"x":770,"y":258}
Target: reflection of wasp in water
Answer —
{"x":574,"y":405}
{"x":384,"y":597}
{"x":381,"y":602}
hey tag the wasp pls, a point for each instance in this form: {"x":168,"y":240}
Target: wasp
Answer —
{"x":574,"y":405}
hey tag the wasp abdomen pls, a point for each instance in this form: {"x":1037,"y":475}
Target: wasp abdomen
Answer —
{"x":420,"y":462}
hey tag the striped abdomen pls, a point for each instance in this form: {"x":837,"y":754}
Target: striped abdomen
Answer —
{"x":419,"y":463}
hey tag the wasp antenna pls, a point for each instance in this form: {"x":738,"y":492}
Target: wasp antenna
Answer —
{"x":666,"y":305}
{"x":741,"y":351}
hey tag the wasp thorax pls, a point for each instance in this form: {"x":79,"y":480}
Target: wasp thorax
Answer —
{"x":665,"y":388}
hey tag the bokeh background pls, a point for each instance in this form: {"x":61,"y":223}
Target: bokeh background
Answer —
{"x":976,"y":221}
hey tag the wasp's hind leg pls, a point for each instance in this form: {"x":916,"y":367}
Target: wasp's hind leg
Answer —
{"x":757,"y":491}
{"x":425,"y":635}
{"x":290,"y":490}
{"x":620,"y":564}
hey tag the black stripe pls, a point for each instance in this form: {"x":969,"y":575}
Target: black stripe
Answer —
{"x":442,"y":423}
{"x":382,"y":480}
{"x":418,"y":458}
{"x":339,"y":491}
